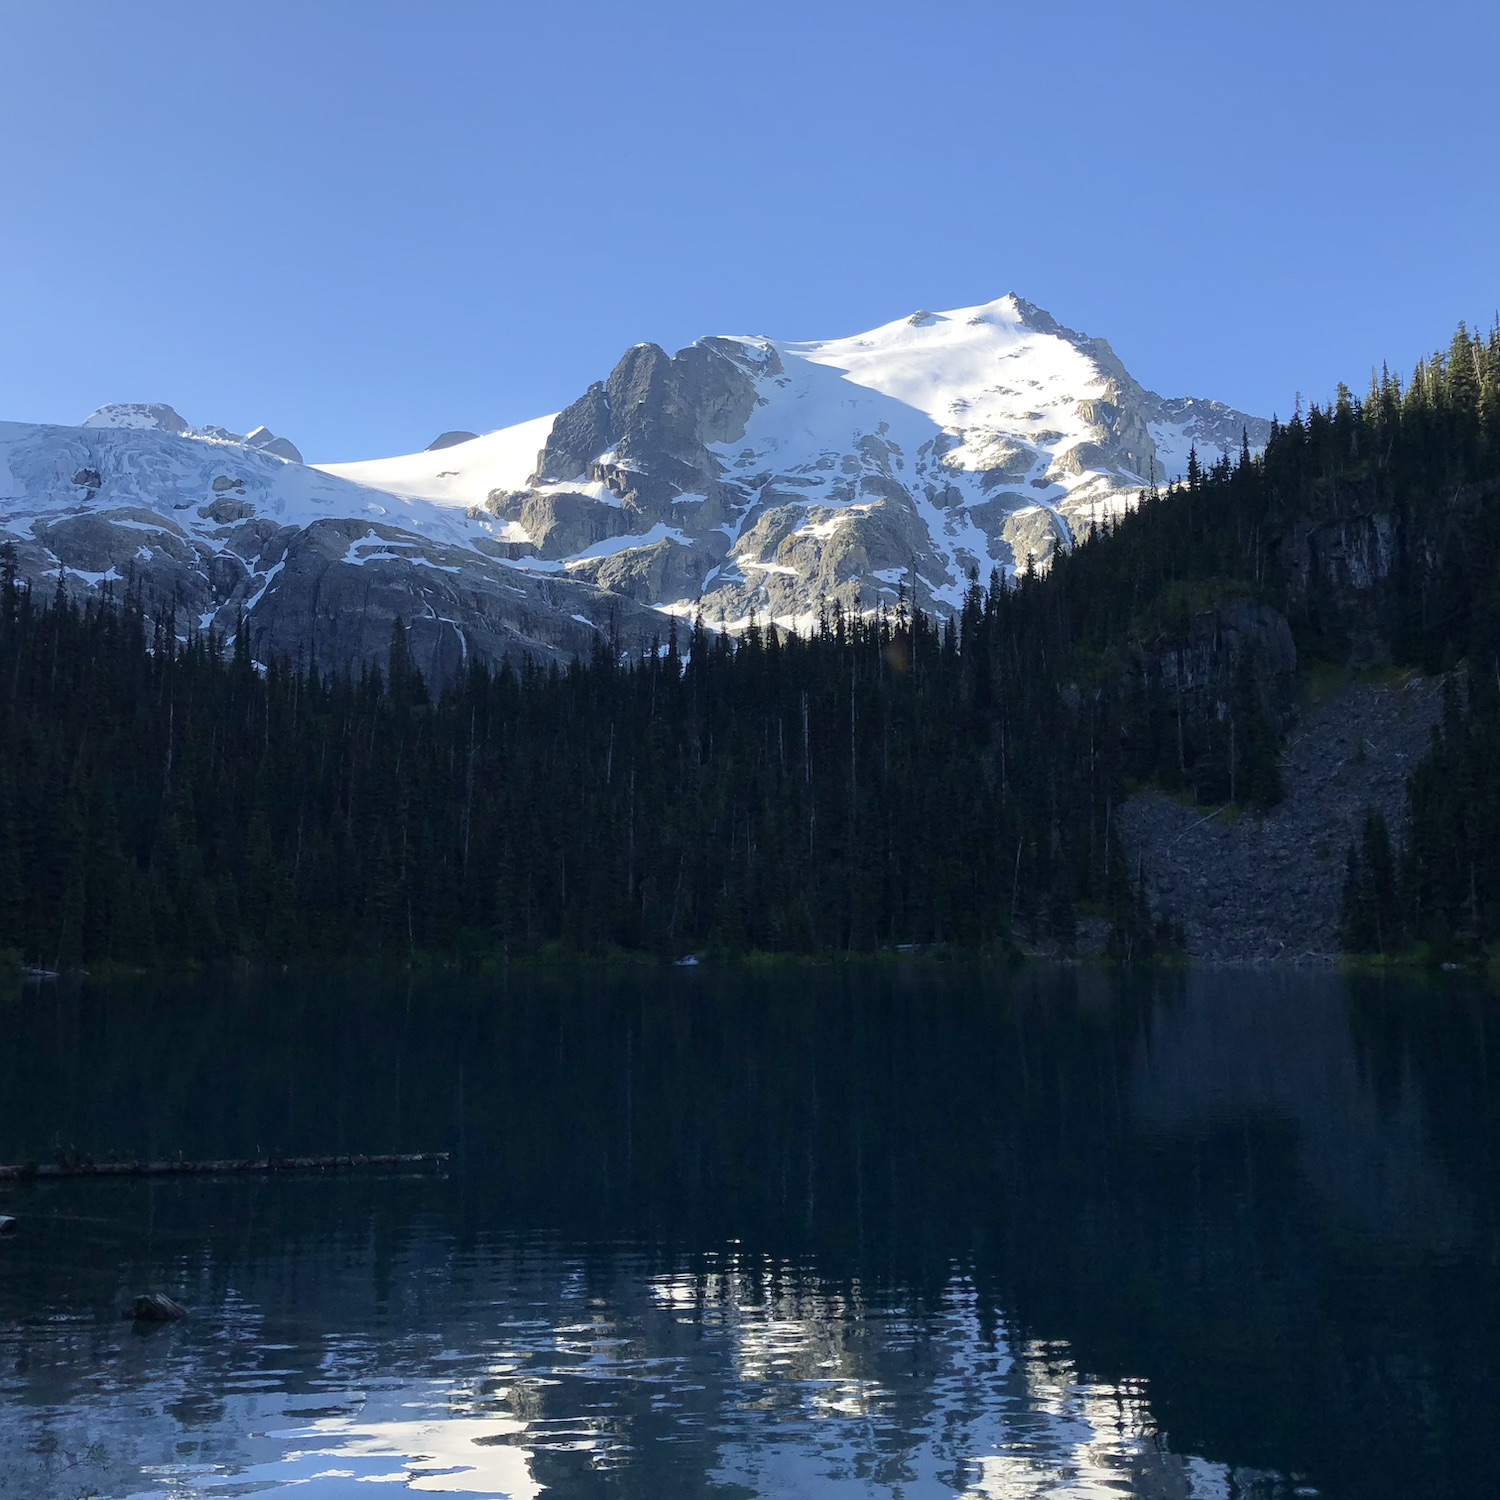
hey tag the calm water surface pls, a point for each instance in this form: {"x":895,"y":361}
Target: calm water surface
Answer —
{"x":913,"y":1234}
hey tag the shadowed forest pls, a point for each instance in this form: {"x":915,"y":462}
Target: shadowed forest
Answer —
{"x":889,"y":780}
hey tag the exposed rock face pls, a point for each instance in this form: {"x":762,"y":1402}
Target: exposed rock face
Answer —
{"x":790,"y":475}
{"x":1340,"y":571}
{"x":318,"y":567}
{"x":645,"y":432}
{"x":1199,"y":662}
{"x":339,"y":586}
{"x":741,"y":478}
{"x":1353,"y":567}
{"x":267,"y":441}
{"x":1340,"y":557}
{"x":564,"y":523}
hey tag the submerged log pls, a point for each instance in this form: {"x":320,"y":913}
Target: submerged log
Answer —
{"x":83,"y":1167}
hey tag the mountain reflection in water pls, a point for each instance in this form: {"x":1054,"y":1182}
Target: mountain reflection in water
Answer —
{"x":801,"y":1232}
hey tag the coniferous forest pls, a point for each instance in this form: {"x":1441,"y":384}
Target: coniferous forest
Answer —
{"x":888,"y":780}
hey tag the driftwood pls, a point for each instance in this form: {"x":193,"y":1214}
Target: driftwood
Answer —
{"x":156,"y":1307}
{"x":83,"y":1167}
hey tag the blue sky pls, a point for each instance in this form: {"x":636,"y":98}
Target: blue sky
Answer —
{"x":362,"y":223}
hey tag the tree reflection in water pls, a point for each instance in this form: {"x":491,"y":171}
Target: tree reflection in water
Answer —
{"x":917,"y":1232}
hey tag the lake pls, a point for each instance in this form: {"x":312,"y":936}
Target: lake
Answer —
{"x":915,"y":1232}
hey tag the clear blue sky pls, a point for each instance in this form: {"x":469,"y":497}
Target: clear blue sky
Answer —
{"x":364,"y":222}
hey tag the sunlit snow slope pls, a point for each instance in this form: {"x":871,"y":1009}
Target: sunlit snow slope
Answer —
{"x":743,"y":477}
{"x":754,"y":476}
{"x":461,"y":475}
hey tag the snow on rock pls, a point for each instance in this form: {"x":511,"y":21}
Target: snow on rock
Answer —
{"x":267,"y":441}
{"x":937,"y":447}
{"x":319,"y":565}
{"x":141,"y":416}
{"x":138,"y":416}
{"x":742,"y":478}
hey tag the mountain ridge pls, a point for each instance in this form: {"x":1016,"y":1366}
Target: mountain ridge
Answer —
{"x":742,"y":478}
{"x":157,"y":416}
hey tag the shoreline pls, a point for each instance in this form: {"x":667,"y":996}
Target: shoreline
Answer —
{"x":1484,"y":967}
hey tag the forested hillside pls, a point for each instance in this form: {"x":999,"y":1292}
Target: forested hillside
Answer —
{"x":872,"y":785}
{"x":886,"y":781}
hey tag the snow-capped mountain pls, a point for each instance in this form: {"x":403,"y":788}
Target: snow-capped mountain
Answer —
{"x":320,"y":567}
{"x":743,"y":477}
{"x":755,"y":477}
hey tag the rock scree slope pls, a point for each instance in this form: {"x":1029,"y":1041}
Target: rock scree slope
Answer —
{"x":1269,"y":888}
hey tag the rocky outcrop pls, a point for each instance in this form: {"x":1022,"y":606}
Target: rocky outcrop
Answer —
{"x":1339,"y":573}
{"x":1353,"y":567}
{"x":142,"y":416}
{"x":663,"y":569}
{"x":561,"y":523}
{"x":335,"y":590}
{"x":748,"y":447}
{"x":267,"y":441}
{"x":1195,"y":656}
{"x":645,"y":432}
{"x":450,"y":440}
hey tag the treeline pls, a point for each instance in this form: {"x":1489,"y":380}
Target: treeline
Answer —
{"x":880,"y":783}
{"x":1440,"y":895}
{"x":1376,"y":519}
{"x":886,"y":781}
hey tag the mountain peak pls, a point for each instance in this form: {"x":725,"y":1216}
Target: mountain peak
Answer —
{"x":748,"y":476}
{"x":157,"y":416}
{"x":741,"y":478}
{"x":142,"y":416}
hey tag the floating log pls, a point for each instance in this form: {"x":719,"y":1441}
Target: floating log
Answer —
{"x":83,"y":1167}
{"x":156,"y":1307}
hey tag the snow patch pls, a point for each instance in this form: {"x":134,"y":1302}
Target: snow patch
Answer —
{"x":613,"y":545}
